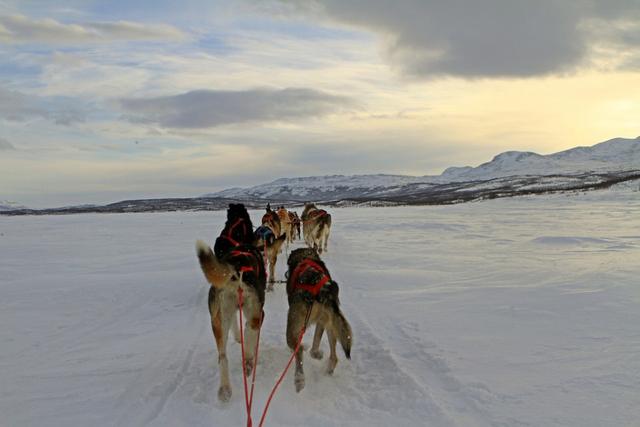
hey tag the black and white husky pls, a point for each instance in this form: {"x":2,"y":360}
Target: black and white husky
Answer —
{"x":313,"y":298}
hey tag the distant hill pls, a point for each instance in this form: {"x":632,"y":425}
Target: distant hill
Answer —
{"x":615,"y":155}
{"x":511,"y":173}
{"x":6,"y":205}
{"x":610,"y":156}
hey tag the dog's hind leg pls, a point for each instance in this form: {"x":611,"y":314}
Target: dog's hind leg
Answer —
{"x":272,"y":272}
{"x":326,"y":237}
{"x":235,"y":330}
{"x":253,"y":314}
{"x":220,"y":331}
{"x":308,"y":236}
{"x":320,"y":240}
{"x":315,"y":352}
{"x":295,"y":324}
{"x":333,"y":357}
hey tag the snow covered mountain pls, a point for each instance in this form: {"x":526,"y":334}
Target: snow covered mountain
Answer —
{"x":512,"y":173}
{"x":6,"y":205}
{"x":323,"y":187}
{"x":615,"y":155}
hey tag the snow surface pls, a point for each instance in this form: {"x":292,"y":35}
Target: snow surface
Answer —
{"x":510,"y":312}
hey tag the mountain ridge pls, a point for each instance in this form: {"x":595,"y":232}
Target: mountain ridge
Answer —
{"x":614,"y":155}
{"x":512,"y":173}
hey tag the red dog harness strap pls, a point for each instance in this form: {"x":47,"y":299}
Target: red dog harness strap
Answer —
{"x":237,"y":253}
{"x":315,"y":214}
{"x":312,"y":288}
{"x":230,"y":231}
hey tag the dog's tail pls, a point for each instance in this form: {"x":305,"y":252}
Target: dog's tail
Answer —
{"x":342,"y":328}
{"x":214,"y":271}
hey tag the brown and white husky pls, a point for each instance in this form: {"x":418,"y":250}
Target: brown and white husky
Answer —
{"x":316,"y":226}
{"x":313,"y":298}
{"x":286,"y":227}
{"x":272,"y":220}
{"x":242,"y":267}
{"x":270,"y":245}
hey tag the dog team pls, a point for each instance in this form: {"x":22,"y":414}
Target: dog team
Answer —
{"x":237,"y":268}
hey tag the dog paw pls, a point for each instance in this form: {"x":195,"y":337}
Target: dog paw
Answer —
{"x":299,"y":382}
{"x":224,"y":393}
{"x":248,"y":366}
{"x":331,"y":366}
{"x":316,"y":354}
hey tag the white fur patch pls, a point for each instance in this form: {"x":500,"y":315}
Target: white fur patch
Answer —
{"x":202,"y":247}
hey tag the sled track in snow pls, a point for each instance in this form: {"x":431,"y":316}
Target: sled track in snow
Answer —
{"x":145,"y":402}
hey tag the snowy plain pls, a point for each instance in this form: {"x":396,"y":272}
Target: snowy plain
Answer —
{"x":509,"y":312}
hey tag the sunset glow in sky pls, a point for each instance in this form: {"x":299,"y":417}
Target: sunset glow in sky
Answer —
{"x":106,"y":100}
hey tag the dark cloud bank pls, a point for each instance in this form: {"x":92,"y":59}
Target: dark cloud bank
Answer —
{"x":19,"y":107}
{"x":210,"y":108}
{"x":493,"y":38}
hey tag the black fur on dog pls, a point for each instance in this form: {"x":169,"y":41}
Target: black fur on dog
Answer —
{"x":234,"y":233}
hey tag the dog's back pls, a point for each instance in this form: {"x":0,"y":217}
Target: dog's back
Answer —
{"x":238,"y":230}
{"x":248,"y":262}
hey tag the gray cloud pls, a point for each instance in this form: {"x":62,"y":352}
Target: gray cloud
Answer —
{"x":6,"y":145}
{"x":491,"y":38}
{"x":18,"y":107}
{"x":22,"y":29}
{"x":210,"y":108}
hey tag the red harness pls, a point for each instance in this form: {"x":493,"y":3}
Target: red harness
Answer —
{"x":228,"y":233}
{"x":315,"y":214}
{"x":237,"y":253}
{"x":312,"y":288}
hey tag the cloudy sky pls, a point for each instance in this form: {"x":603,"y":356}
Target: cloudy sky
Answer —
{"x":106,"y":100}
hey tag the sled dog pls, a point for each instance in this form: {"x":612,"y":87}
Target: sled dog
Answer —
{"x":270,"y":245}
{"x":237,"y":230}
{"x":313,"y":298}
{"x":272,"y":220}
{"x":234,"y":265}
{"x":316,"y":225}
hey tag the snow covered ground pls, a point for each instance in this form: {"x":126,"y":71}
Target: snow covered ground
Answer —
{"x":511,"y":312}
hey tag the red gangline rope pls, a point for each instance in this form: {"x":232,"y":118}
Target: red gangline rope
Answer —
{"x":255,"y":362}
{"x":275,"y":387}
{"x":244,"y":372}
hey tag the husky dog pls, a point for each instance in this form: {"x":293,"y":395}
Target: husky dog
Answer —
{"x":285,"y":224}
{"x":294,"y":219}
{"x":313,"y":298}
{"x":237,"y":267}
{"x":316,"y":225}
{"x":272,"y":220}
{"x":237,"y":230}
{"x":266,"y":241}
